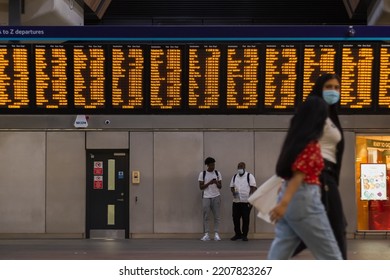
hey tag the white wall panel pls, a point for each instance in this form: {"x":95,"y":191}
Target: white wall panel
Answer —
{"x":268,"y":145}
{"x":141,"y":195}
{"x":107,"y":140}
{"x":66,"y":179}
{"x":22,"y":173}
{"x":177,"y":198}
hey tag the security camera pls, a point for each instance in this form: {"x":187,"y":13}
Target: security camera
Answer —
{"x":351,"y":31}
{"x":107,"y":122}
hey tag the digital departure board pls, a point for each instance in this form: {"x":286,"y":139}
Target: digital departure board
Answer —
{"x":384,"y":77}
{"x":317,"y":59}
{"x":128,"y":65}
{"x":165,"y":77}
{"x":242,"y":76}
{"x":204,"y":64}
{"x":51,"y":64}
{"x":281,"y":73}
{"x":189,"y":78}
{"x":356,"y":76}
{"x":14,"y":76}
{"x":89,"y":76}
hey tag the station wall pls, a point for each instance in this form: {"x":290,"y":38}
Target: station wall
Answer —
{"x":43,"y":169}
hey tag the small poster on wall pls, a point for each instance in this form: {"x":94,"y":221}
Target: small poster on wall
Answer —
{"x":373,"y":181}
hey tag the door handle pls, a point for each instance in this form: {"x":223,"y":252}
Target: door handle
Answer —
{"x":120,"y":199}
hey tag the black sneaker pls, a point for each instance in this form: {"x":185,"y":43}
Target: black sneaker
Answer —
{"x":234,"y":238}
{"x":245,"y":238}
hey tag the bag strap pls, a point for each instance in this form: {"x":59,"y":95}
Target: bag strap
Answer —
{"x":216,"y":173}
{"x":247,"y":178}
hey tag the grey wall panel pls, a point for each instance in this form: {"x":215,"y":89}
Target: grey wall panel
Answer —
{"x":267,"y":150}
{"x":65,"y":179}
{"x":151,"y":122}
{"x":228,"y":121}
{"x":22,"y":173}
{"x":347,"y":185}
{"x":272,"y":122}
{"x":141,"y":195}
{"x":228,"y":149}
{"x":361,"y":122}
{"x":177,"y":199}
{"x":108,"y":140}
{"x":175,"y":122}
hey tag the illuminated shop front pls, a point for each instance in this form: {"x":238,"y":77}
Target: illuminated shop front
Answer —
{"x":372,"y":182}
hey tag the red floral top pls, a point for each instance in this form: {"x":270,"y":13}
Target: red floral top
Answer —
{"x":310,"y":162}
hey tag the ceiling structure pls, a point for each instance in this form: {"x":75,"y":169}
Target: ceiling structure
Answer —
{"x":210,"y":12}
{"x":195,"y":12}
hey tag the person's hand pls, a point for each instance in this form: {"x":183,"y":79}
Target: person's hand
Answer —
{"x":278,"y":212}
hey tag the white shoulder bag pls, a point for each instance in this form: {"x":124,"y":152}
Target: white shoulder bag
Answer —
{"x":265,"y":197}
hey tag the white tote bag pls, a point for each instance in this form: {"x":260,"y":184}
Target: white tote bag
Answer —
{"x":265,"y":197}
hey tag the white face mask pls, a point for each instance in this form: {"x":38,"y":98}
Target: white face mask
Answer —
{"x":241,"y":171}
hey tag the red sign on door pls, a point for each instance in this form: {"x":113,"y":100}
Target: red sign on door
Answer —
{"x":98,"y":168}
{"x":97,"y":182}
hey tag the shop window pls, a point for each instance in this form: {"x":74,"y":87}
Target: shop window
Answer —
{"x":372,"y":182}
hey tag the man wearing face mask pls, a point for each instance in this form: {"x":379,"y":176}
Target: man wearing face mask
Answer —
{"x":242,"y":185}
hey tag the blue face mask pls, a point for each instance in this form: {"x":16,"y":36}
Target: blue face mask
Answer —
{"x":331,"y":96}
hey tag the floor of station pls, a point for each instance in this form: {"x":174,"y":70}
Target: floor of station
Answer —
{"x":168,"y":249}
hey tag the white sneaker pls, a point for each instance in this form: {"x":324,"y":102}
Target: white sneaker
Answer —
{"x":216,"y":237}
{"x":205,"y":237}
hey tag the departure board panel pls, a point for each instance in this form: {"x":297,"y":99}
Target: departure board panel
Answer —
{"x":51,"y":64}
{"x":189,"y":78}
{"x":166,"y":77}
{"x":242,"y":76}
{"x":128,"y":65}
{"x":89,"y":76}
{"x":384,"y":77}
{"x":14,"y":76}
{"x":204,"y":64}
{"x":317,"y":59}
{"x":357,"y":76}
{"x":281,"y":63}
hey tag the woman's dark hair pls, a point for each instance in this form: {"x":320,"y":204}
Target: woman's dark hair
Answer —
{"x":306,"y":126}
{"x":317,"y":91}
{"x":319,"y":84}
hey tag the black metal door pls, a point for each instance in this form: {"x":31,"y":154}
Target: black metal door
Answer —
{"x":107,"y":194}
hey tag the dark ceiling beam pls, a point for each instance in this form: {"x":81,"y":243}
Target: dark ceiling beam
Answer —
{"x":357,"y":9}
{"x":15,"y":12}
{"x":99,"y":7}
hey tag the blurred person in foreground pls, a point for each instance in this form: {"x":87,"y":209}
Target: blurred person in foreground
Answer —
{"x":327,"y":87}
{"x":300,"y":214}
